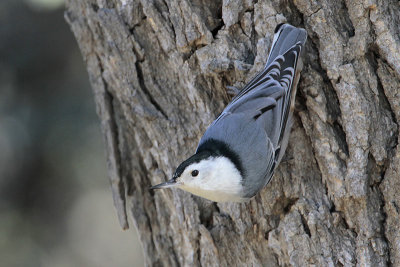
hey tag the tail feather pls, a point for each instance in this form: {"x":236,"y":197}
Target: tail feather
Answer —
{"x":286,"y":36}
{"x":283,"y":67}
{"x":277,"y":80}
{"x":288,"y":43}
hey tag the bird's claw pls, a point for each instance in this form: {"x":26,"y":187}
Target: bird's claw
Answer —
{"x":286,"y":158}
{"x":232,"y":90}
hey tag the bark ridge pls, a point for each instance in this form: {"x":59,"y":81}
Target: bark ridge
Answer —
{"x":159,"y":71}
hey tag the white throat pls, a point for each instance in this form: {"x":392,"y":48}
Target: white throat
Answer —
{"x":218,"y":180}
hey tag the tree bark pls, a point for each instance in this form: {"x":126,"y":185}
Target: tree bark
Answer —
{"x":159,"y":71}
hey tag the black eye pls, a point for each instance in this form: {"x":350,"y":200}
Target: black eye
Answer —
{"x":195,"y":173}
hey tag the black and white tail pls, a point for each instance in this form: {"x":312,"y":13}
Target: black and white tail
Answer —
{"x":284,"y":65}
{"x":278,"y":80}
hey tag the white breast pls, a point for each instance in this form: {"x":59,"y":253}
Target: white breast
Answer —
{"x":215,"y":195}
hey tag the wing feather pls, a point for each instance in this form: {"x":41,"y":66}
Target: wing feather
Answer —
{"x":267,"y":101}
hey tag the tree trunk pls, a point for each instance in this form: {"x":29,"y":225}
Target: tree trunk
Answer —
{"x":159,"y":71}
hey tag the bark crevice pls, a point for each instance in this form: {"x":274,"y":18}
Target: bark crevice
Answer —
{"x":159,"y":74}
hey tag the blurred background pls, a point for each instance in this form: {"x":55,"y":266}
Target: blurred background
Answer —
{"x":55,"y":203}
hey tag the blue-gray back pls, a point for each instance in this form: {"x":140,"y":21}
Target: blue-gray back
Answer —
{"x":256,"y":124}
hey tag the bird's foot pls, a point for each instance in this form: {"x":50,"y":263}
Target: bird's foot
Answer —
{"x":232,"y":90}
{"x":286,"y":158}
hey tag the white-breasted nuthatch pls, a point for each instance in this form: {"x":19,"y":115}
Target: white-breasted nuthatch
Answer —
{"x":238,"y":153}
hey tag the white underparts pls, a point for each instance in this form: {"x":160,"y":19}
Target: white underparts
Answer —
{"x":218,"y":180}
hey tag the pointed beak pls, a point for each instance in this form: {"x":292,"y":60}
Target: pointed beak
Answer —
{"x":168,"y":184}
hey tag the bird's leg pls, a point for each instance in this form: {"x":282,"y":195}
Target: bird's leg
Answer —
{"x":232,"y":90}
{"x":286,"y":158}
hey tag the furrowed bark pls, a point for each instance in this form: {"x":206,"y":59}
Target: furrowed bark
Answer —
{"x":159,"y":71}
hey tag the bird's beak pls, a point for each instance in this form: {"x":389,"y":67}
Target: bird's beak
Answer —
{"x":168,"y":184}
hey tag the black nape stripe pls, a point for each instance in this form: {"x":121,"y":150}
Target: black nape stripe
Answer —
{"x":211,"y":148}
{"x":193,"y":159}
{"x":217,"y":148}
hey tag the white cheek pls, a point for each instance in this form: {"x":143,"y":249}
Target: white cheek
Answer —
{"x":198,"y":180}
{"x":218,"y":180}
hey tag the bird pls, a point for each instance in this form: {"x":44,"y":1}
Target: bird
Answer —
{"x":240,"y":150}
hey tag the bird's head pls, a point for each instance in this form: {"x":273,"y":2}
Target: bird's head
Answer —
{"x":207,"y":175}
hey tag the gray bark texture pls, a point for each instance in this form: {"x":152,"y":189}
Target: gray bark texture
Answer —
{"x":159,"y":71}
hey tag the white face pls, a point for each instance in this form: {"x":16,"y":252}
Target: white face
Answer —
{"x":216,"y":179}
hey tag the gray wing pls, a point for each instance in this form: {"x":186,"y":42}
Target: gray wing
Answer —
{"x":264,"y":104}
{"x":268,"y":97}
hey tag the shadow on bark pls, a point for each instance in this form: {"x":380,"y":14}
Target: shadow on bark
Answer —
{"x":159,"y":71}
